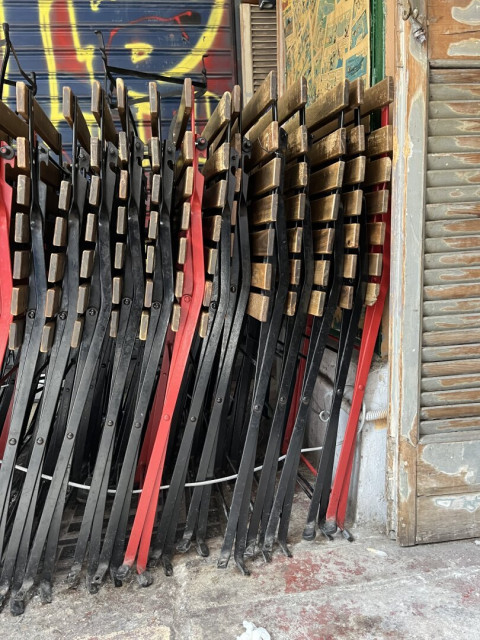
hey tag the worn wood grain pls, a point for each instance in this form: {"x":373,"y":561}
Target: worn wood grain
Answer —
{"x":265,"y":144}
{"x":448,"y":467}
{"x":262,"y":98}
{"x":258,"y":306}
{"x":295,"y":207}
{"x":328,"y":106}
{"x":352,"y":203}
{"x":377,"y":202}
{"x":262,"y":242}
{"x":327,"y":179}
{"x":266,"y":178}
{"x":444,"y":383}
{"x":329,"y":148}
{"x":214,"y":196}
{"x":325,"y":209}
{"x":380,"y":141}
{"x":355,"y":171}
{"x":454,"y":336}
{"x":261,"y":275}
{"x":317,"y":303}
{"x":356,"y":140}
{"x":296,"y":176}
{"x":297,"y":143}
{"x":378,"y":172}
{"x":219,"y":118}
{"x":323,"y":241}
{"x":264,"y":210}
{"x":441,"y":323}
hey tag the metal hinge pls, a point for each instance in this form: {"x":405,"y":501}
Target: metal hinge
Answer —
{"x":417,"y":21}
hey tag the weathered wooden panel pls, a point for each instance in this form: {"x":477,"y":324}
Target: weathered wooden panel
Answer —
{"x":327,"y":179}
{"x":440,"y":307}
{"x":448,"y":517}
{"x":454,"y":127}
{"x":445,"y":338}
{"x":452,"y":76}
{"x":448,"y":467}
{"x":453,"y":194}
{"x":453,"y":30}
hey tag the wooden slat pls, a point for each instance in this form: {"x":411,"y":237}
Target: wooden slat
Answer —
{"x":211,"y":256}
{"x":21,"y":265}
{"x":294,"y":98}
{"x":352,"y":203}
{"x":323,"y":241}
{"x":291,"y":303}
{"x":266,"y":178}
{"x":98,"y":101}
{"x":378,"y":172}
{"x":327,"y":179}
{"x":22,"y":228}
{"x":453,"y":177}
{"x":14,"y":126}
{"x":95,"y":191}
{"x":295,"y":239}
{"x":15,"y":332}
{"x":150,"y":259}
{"x":454,"y":109}
{"x":325,"y":209}
{"x":212,"y":226}
{"x":183,"y":113}
{"x":354,"y":171}
{"x":451,"y":291}
{"x":215,"y":196}
{"x":265,"y":144}
{"x":52,"y":301}
{"x":450,"y":307}
{"x":258,"y":306}
{"x":297,"y":144}
{"x":451,"y":76}
{"x":185,"y":186}
{"x":329,"y":148}
{"x":154,"y":105}
{"x":448,"y":467}
{"x":375,"y":264}
{"x":317,"y":303}
{"x":71,"y":114}
{"x":346,"y":297}
{"x":441,"y":161}
{"x":48,"y":333}
{"x":456,"y":259}
{"x":217,"y":163}
{"x":452,"y":228}
{"x":261,"y":275}
{"x":296,"y":176}
{"x":378,"y":96}
{"x":219,"y":118}
{"x":262,"y":242}
{"x":454,"y":243}
{"x":321,"y":272}
{"x":449,"y":397}
{"x":447,"y":276}
{"x":372,"y":293}
{"x":451,"y":411}
{"x":295,"y":207}
{"x":376,"y":233}
{"x":56,"y":267}
{"x":380,"y":141}
{"x":451,"y":425}
{"x":23,"y":190}
{"x":264,"y":210}
{"x":83,"y":298}
{"x":350,"y":265}
{"x":43,"y":125}
{"x":328,"y":106}
{"x":351,"y":235}
{"x":356,"y":140}
{"x":444,"y":383}
{"x":377,"y":202}
{"x":263,"y":98}
{"x":450,"y":352}
{"x":445,"y":338}
{"x":441,"y":323}
{"x":454,"y":144}
{"x":295,"y":271}
{"x":460,"y":210}
{"x":19,"y":300}
{"x":121,"y":220}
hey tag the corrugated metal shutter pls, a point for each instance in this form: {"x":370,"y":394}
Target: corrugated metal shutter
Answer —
{"x":264,"y":43}
{"x":56,"y":39}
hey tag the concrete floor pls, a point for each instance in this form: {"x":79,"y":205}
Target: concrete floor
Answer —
{"x":368,"y":589}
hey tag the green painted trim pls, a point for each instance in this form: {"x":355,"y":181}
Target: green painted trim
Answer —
{"x":377,"y":41}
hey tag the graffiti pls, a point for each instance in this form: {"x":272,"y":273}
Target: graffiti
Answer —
{"x":178,"y":39}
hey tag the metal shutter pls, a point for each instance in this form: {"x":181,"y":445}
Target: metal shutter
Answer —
{"x":264,"y":43}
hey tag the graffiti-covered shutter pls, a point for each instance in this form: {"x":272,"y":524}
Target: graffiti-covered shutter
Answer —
{"x":57,"y":40}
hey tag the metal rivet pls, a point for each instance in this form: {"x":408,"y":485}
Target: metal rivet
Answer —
{"x":233,"y":288}
{"x":156,"y":305}
{"x":219,"y":400}
{"x":110,"y":423}
{"x":166,"y":417}
{"x":69,"y":435}
{"x":12,"y":441}
{"x":91,"y":312}
{"x":257,"y":407}
{"x":193,"y":419}
{"x":187,"y":298}
{"x":126,"y":301}
{"x":31,"y":314}
{"x":63,"y":315}
{"x":40,"y":440}
{"x":305,"y":400}
{"x":137,"y":425}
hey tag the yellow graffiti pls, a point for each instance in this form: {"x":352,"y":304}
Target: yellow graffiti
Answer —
{"x":95,"y":4}
{"x":194,"y":58}
{"x":139,"y":51}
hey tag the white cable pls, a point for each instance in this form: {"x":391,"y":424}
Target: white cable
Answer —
{"x":167,"y":486}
